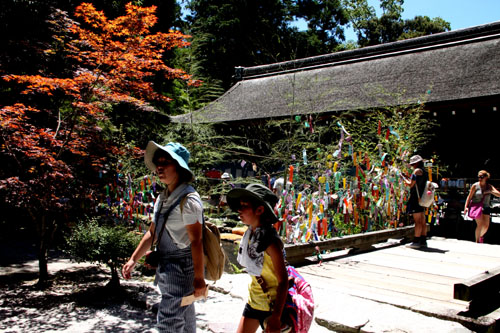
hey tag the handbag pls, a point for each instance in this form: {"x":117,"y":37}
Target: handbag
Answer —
{"x":475,"y":209}
{"x":153,"y":256}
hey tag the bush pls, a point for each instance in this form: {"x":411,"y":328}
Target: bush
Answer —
{"x":98,"y":242}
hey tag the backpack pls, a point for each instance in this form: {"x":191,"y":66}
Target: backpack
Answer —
{"x":215,"y":257}
{"x":299,"y":306}
{"x":298,"y":311}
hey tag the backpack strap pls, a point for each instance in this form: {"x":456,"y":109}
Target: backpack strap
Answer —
{"x":183,"y":203}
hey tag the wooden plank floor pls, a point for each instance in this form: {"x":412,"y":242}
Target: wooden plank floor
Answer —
{"x":406,"y":277}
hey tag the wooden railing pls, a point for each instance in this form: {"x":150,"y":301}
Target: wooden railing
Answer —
{"x":296,"y":253}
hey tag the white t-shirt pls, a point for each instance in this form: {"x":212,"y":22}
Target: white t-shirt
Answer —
{"x":177,"y":222}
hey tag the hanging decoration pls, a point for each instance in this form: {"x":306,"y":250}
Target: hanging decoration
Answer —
{"x":130,"y":200}
{"x":350,"y":193}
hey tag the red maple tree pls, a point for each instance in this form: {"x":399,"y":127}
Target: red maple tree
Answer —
{"x":56,"y":139}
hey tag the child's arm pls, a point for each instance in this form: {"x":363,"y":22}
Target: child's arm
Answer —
{"x":276,"y":254}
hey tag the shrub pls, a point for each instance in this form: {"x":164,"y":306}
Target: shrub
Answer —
{"x":96,"y":241}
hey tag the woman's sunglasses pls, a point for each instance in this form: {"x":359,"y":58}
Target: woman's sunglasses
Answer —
{"x":481,"y":176}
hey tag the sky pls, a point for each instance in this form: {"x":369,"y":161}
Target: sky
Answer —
{"x":460,"y":13}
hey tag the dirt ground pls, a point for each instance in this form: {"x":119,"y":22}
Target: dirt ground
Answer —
{"x":77,"y":300}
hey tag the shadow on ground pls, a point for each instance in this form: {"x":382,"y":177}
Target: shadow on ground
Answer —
{"x":73,"y":301}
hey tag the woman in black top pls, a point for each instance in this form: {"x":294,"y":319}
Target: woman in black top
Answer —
{"x":418,"y":180}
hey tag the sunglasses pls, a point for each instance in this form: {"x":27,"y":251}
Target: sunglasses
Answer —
{"x":481,"y":176}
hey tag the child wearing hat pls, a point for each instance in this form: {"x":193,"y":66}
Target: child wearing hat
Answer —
{"x":180,"y":269}
{"x":261,"y":252}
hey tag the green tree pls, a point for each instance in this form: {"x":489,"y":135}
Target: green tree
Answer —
{"x":230,"y":33}
{"x":325,"y":22}
{"x":389,"y":27}
{"x":423,"y":25}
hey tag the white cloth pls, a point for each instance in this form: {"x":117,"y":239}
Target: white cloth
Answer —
{"x":177,"y":222}
{"x":247,"y":254}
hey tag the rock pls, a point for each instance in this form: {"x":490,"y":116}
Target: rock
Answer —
{"x":239,"y":230}
{"x":230,"y":237}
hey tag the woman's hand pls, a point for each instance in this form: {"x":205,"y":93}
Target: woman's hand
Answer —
{"x":273,"y":324}
{"x":466,"y":209}
{"x":128,"y":268}
{"x":199,"y":287}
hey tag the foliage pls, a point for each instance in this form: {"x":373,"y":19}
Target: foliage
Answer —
{"x":248,"y":33}
{"x":57,"y":138}
{"x":99,"y":241}
{"x":389,"y":27}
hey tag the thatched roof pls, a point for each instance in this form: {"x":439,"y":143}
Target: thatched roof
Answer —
{"x":452,"y":66}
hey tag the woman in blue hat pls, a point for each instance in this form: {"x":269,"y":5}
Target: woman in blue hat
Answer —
{"x":261,"y":252}
{"x":178,"y":233}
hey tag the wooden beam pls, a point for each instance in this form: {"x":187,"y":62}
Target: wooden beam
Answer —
{"x":296,"y":253}
{"x":481,"y":286}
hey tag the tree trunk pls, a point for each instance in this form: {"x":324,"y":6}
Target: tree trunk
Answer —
{"x":46,"y":231}
{"x":43,"y":273}
{"x":115,"y":278}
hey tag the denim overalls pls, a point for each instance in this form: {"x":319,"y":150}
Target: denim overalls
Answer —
{"x":175,"y":277}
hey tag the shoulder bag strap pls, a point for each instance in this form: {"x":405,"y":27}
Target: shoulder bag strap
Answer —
{"x":424,"y":174}
{"x":165,"y":216}
{"x":263,"y":285}
{"x":154,"y":233}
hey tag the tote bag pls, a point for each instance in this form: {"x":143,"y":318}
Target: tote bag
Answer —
{"x":427,"y":198}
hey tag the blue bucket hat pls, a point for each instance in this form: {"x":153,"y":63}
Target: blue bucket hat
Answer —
{"x":177,"y":152}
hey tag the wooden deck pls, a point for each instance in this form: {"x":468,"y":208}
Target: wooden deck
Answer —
{"x":417,"y":280}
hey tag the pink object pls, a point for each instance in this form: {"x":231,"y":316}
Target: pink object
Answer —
{"x":475,"y":210}
{"x":301,"y":309}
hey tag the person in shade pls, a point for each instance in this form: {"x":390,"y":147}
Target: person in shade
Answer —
{"x":180,"y":270}
{"x":481,"y":191}
{"x":418,"y":180}
{"x":261,"y":253}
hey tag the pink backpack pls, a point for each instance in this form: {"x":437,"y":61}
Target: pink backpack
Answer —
{"x":299,"y":306}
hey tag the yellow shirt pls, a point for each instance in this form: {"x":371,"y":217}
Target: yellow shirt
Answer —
{"x":257,"y":299}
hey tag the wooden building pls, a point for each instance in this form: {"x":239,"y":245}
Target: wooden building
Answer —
{"x":456,"y":74}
